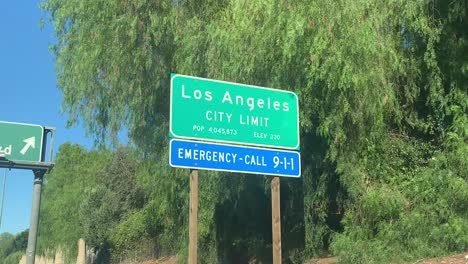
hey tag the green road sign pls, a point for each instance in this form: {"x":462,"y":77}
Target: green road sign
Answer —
{"x":21,"y":142}
{"x":234,"y":113}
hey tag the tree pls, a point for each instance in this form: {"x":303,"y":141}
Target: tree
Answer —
{"x":114,"y":196}
{"x":75,"y":174}
{"x":382,"y":87}
{"x":20,"y":242}
{"x":85,"y":196}
{"x":6,"y":245}
{"x":12,"y":247}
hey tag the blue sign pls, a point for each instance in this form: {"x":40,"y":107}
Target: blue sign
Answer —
{"x":222,"y":157}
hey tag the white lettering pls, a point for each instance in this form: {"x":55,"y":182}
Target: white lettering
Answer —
{"x":208,"y":155}
{"x":259,"y":121}
{"x":252,"y":161}
{"x":197,"y":94}
{"x":276,"y":105}
{"x":246,"y":159}
{"x":218,"y":116}
{"x":227,"y":97}
{"x":254,"y":120}
{"x":183,"y":92}
{"x":5,"y":150}
{"x":180,"y":153}
{"x":239,"y":100}
{"x":208,"y":113}
{"x":251,"y":103}
{"x":260,"y":103}
{"x":208,"y":96}
{"x":188,"y":154}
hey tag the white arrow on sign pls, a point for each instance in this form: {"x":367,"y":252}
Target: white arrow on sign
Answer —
{"x":30,"y":142}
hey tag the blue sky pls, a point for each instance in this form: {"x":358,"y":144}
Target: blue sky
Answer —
{"x":28,"y":94}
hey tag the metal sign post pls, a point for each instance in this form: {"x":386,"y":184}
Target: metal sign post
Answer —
{"x":3,"y":196}
{"x":22,"y":146}
{"x":34,"y":224}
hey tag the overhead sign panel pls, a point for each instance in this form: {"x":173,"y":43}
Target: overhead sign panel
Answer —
{"x":227,"y":112}
{"x":21,"y":142}
{"x":232,"y":158}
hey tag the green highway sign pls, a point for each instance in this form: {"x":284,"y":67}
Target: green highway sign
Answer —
{"x":21,"y":142}
{"x":228,"y":112}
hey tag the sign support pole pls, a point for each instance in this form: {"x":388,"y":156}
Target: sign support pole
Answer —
{"x":193,"y":221}
{"x":276,"y":220}
{"x":32,"y":237}
{"x":3,"y":196}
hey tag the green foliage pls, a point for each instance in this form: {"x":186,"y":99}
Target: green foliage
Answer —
{"x":65,"y":189}
{"x":383,"y":115}
{"x":119,"y":55}
{"x":6,"y":245}
{"x":127,"y":237}
{"x":422,"y":215}
{"x":14,"y":258}
{"x":86,"y":196}
{"x":167,"y":207}
{"x":12,"y":247}
{"x":114,"y":195}
{"x":20,"y":242}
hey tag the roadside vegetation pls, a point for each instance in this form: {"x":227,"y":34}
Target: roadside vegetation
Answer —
{"x":383,"y":118}
{"x":13,"y":247}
